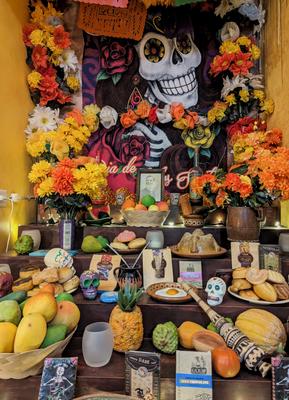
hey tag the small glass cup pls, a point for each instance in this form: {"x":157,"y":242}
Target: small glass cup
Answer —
{"x":97,"y":344}
{"x":156,"y":239}
{"x":284,"y":242}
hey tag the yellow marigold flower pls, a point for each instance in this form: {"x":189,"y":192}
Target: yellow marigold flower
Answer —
{"x":229,"y":47}
{"x":259,"y":94}
{"x":268,"y":106}
{"x":90,"y":180}
{"x":54,"y":59}
{"x":182,"y":123}
{"x":231,"y":99}
{"x":244,"y":95}
{"x":39,"y":171}
{"x":245,"y":179}
{"x":52,"y":46}
{"x":73,"y":82}
{"x":34,"y":79}
{"x":244,"y":41}
{"x":90,"y":115}
{"x":37,"y":37}
{"x":45,"y":188}
{"x":72,"y":122}
{"x":59,"y":148}
{"x":35,"y":144}
{"x":217,"y":113}
{"x":256,"y":52}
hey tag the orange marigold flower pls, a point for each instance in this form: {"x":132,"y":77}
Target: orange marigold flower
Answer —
{"x":199,"y":182}
{"x":68,"y":162}
{"x":242,"y":63}
{"x":128,"y":119}
{"x":221,"y":198}
{"x":177,"y":111}
{"x":26,"y":31}
{"x":191,"y":118}
{"x":221,"y":63}
{"x":76,"y":115}
{"x":274,"y":136}
{"x":143,"y":109}
{"x":61,"y":37}
{"x":232,"y":181}
{"x":62,"y":180}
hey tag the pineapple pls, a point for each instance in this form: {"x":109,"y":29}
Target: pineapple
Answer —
{"x":126,"y":319}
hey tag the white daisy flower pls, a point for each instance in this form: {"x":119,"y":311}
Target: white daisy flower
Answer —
{"x":68,"y":61}
{"x":42,"y":118}
{"x":231,"y":84}
{"x":228,"y":6}
{"x":256,"y":81}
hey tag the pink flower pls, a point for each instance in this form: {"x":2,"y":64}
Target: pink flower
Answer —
{"x":116,"y":58}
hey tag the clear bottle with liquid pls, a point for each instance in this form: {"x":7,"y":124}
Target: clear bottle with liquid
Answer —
{"x":196,"y":171}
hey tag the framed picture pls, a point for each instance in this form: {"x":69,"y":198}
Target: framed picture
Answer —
{"x":150,"y":181}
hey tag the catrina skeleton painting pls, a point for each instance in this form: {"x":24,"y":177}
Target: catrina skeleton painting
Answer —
{"x":170,"y":64}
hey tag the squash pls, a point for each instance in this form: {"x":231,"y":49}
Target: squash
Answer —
{"x":226,"y":363}
{"x":207,"y":340}
{"x":263,"y":328}
{"x":186,"y":331}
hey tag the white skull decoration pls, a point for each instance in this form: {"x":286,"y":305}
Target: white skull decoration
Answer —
{"x":169,"y":67}
{"x":215,"y":289}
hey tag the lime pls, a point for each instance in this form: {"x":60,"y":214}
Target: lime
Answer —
{"x":148,"y":200}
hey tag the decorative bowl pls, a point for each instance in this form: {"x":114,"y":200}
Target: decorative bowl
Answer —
{"x":144,"y":218}
{"x":193,"y":220}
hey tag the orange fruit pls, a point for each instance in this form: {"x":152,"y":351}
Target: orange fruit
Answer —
{"x":128,"y":203}
{"x":163,"y":206}
{"x":140,"y":207}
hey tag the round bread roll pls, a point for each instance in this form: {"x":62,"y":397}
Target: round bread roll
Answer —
{"x":256,"y":276}
{"x":239,"y":273}
{"x":28,"y":271}
{"x":265,"y":291}
{"x":275,"y":277}
{"x":119,"y":246}
{"x":248,"y":294}
{"x":73,"y":283}
{"x":25,"y":284}
{"x":138,"y":243}
{"x":126,"y":236}
{"x":282,"y":290}
{"x":240,"y":284}
{"x":64,"y":274}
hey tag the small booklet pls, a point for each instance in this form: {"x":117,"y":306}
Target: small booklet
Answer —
{"x":191,"y":273}
{"x":280,"y":378}
{"x":58,"y":379}
{"x":194,"y":375}
{"x":142,"y":375}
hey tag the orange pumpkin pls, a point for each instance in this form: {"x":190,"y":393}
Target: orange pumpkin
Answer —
{"x":226,"y":363}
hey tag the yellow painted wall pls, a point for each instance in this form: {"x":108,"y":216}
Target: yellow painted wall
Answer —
{"x":15,"y":105}
{"x":277,"y":71}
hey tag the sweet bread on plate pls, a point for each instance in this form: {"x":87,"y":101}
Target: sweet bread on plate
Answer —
{"x":240,"y":284}
{"x":282,"y":290}
{"x":28,"y":271}
{"x":275,"y":277}
{"x":25,"y":284}
{"x":266,"y":292}
{"x":256,"y":276}
{"x":248,"y":294}
{"x":239,"y":273}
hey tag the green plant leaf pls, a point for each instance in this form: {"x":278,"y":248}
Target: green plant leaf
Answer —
{"x":191,"y":153}
{"x":102,"y":75}
{"x":116,"y":78}
{"x":206,"y":152}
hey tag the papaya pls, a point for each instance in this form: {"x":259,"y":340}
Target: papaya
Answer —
{"x":186,"y":331}
{"x":207,"y":340}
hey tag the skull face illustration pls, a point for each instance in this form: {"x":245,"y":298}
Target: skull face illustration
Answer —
{"x":159,"y":263}
{"x":169,"y":67}
{"x":215,"y":289}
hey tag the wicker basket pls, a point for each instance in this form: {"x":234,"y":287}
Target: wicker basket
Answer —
{"x":144,"y":218}
{"x":22,"y":365}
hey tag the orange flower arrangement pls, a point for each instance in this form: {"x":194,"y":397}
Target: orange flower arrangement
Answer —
{"x":128,"y":119}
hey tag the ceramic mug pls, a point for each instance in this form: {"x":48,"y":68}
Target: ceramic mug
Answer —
{"x":97,"y":344}
{"x":36,"y":236}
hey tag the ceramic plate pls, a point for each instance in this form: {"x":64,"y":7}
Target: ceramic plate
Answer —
{"x":129,"y":251}
{"x":197,"y":256}
{"x":257,"y":301}
{"x":157,"y":292}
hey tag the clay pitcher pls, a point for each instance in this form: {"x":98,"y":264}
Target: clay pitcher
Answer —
{"x":243,"y":223}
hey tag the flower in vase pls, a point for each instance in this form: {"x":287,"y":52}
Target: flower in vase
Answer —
{"x":39,"y":171}
{"x":62,"y":180}
{"x":43,"y":118}
{"x":45,"y":188}
{"x":229,"y":85}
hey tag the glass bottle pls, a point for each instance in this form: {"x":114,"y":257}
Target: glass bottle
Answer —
{"x":196,"y":171}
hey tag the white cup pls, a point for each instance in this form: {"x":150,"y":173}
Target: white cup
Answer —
{"x":155,"y":239}
{"x":284,"y":242}
{"x":97,"y":344}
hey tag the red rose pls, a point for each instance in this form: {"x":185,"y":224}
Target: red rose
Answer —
{"x":48,"y":89}
{"x":153,"y":118}
{"x":39,"y":57}
{"x":115,"y":58}
{"x":134,"y":146}
{"x":26,"y":32}
{"x":243,"y":125}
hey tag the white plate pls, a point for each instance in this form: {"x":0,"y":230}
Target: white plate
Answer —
{"x":258,"y":301}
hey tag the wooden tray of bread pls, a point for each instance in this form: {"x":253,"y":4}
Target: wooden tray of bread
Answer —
{"x":259,"y":286}
{"x":198,"y":245}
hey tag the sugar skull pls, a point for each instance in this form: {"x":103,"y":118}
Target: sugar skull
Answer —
{"x":58,"y":258}
{"x":168,"y":64}
{"x":89,"y":282}
{"x":215,"y":289}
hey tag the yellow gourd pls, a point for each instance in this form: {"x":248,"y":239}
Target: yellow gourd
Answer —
{"x":263,"y":328}
{"x":186,"y":331}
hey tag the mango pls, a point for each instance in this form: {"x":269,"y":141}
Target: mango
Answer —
{"x":54,"y":334}
{"x":43,"y":303}
{"x":7,"y":336}
{"x":30,"y":333}
{"x":67,"y":314}
{"x":10,"y":312}
{"x":65,"y":296}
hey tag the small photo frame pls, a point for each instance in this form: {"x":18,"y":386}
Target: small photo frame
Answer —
{"x":150,"y":181}
{"x":245,"y":254}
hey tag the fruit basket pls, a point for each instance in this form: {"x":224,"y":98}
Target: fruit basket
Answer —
{"x":29,"y":363}
{"x":144,"y":218}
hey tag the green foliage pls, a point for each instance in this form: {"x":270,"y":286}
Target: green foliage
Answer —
{"x":129,"y":296}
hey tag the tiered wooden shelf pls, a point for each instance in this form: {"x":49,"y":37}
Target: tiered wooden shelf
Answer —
{"x":246,"y":386}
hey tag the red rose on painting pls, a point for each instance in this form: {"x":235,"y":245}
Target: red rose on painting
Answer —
{"x":39,"y":57}
{"x":134,"y":146}
{"x":153,"y":118}
{"x":243,"y":125}
{"x":116,"y":58}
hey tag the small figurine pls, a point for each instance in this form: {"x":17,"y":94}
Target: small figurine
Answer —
{"x":89,"y":282}
{"x":216,"y":289}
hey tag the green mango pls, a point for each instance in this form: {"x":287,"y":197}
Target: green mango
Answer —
{"x":65,"y":296}
{"x":10,"y":312}
{"x":103,"y":241}
{"x":19,"y":296}
{"x":91,"y":245}
{"x":54,"y":334}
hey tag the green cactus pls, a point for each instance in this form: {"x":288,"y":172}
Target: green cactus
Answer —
{"x":165,"y":337}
